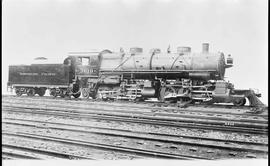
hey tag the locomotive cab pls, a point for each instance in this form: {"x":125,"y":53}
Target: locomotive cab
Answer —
{"x":83,"y":64}
{"x":85,"y":69}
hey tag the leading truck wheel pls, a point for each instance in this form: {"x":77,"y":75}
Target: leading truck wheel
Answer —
{"x":31,"y":92}
{"x":239,"y":102}
{"x":18,"y":92}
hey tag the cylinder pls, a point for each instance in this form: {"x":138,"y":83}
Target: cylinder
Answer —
{"x":148,"y":92}
{"x":183,"y":49}
{"x":205,"y":47}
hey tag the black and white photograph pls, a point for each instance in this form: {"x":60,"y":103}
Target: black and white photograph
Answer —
{"x":135,"y":82}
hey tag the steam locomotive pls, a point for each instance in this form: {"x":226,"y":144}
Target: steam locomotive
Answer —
{"x":182,"y":76}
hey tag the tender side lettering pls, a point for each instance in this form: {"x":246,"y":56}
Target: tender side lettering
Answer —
{"x":29,"y":74}
{"x":48,"y":74}
{"x":36,"y":74}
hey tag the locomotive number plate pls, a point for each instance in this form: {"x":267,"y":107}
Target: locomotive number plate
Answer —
{"x":84,"y":70}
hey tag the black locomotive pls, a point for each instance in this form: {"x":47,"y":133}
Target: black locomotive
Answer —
{"x":182,"y":76}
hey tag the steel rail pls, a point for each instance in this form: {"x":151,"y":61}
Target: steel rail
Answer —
{"x":160,"y":107}
{"x":17,"y":156}
{"x":169,"y":115}
{"x":140,"y":152}
{"x":216,"y":125}
{"x":209,"y":143}
{"x":96,"y":101}
{"x":168,"y":112}
{"x":44,"y":152}
{"x":183,"y":118}
{"x":19,"y":120}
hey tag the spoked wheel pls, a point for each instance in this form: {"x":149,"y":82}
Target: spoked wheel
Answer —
{"x":168,"y":95}
{"x":41,"y":92}
{"x":63,"y":93}
{"x":31,"y":92}
{"x":239,"y":102}
{"x":76,"y":90}
{"x":53,"y":92}
{"x":18,"y":92}
{"x":85,"y":93}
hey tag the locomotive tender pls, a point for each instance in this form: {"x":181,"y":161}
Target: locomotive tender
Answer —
{"x":182,"y":76}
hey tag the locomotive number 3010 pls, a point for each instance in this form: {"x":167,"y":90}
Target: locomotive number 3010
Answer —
{"x":85,"y":71}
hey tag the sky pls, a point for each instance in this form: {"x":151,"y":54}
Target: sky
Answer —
{"x":52,"y":28}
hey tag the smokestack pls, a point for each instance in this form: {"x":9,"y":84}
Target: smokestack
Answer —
{"x":205,"y":47}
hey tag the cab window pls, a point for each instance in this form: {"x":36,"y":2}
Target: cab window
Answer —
{"x":84,"y":61}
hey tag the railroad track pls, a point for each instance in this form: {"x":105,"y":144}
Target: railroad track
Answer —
{"x":143,"y":104}
{"x":108,"y":111}
{"x":208,"y":115}
{"x":120,"y":102}
{"x":176,"y":122}
{"x":34,"y":153}
{"x":140,"y":152}
{"x":177,"y":139}
{"x":15,"y":156}
{"x":198,"y":145}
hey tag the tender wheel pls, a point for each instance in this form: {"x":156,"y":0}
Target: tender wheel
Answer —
{"x":64,"y":92}
{"x":31,"y":92}
{"x":85,"y":93}
{"x":239,"y":102}
{"x":18,"y":92}
{"x":53,"y":92}
{"x":41,"y":92}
